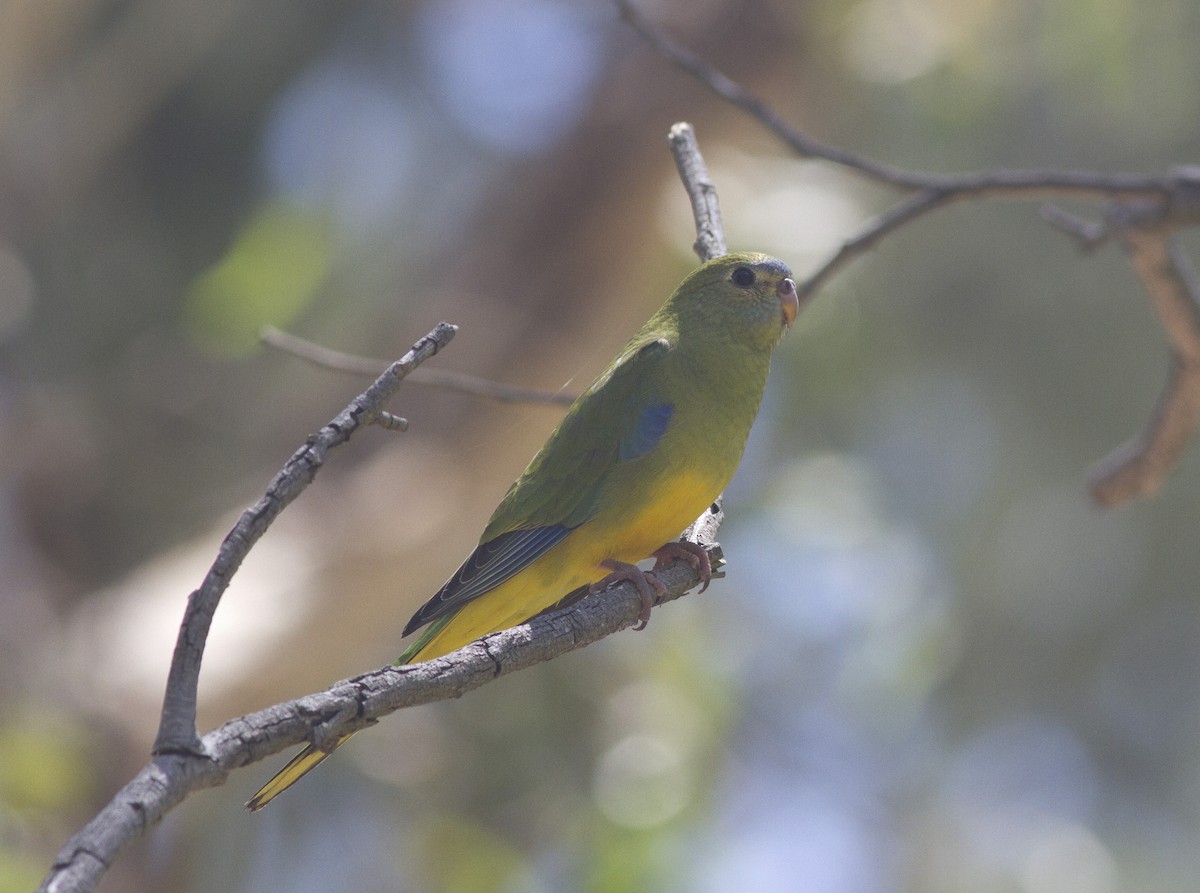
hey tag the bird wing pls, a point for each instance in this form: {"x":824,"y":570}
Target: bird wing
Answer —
{"x":620,"y":418}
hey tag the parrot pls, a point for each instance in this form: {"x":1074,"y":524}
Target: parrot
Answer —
{"x":636,"y":459}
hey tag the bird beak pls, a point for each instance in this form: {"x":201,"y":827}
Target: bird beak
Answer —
{"x":788,"y":301}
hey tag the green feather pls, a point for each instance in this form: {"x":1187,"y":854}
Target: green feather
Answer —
{"x":706,"y":352}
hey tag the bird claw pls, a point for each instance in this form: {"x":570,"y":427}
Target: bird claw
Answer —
{"x":648,"y":586}
{"x":694,"y":554}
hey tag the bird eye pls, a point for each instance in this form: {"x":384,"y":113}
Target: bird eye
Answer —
{"x":743,"y":276}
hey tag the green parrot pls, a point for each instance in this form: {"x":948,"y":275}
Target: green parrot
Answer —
{"x":637,"y":458}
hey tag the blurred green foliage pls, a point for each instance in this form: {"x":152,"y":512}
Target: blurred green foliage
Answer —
{"x":271,"y":273}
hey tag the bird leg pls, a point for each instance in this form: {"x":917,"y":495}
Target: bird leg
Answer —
{"x":648,"y":585}
{"x":694,"y":554}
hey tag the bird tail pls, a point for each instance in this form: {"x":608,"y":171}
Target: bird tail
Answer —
{"x":412,"y":654}
{"x":312,"y":757}
{"x":301,"y":764}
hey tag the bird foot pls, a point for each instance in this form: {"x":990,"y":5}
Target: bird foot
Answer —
{"x":695,"y":555}
{"x":648,"y":585}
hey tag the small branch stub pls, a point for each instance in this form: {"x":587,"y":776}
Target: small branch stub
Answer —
{"x":706,"y":212}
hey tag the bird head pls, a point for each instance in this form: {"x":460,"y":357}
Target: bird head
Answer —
{"x":747,"y":296}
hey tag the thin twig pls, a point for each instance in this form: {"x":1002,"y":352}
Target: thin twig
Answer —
{"x":1140,"y":467}
{"x":733,"y":92}
{"x":706,"y":212}
{"x":978,"y":185}
{"x":438,"y":378}
{"x":177,"y":729}
{"x":710,"y":244}
{"x":872,"y":233}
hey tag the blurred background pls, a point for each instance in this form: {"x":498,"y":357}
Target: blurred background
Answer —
{"x":934,"y":665}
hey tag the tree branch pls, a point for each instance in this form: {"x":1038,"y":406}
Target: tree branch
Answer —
{"x":975,"y":184}
{"x":347,"y":705}
{"x":183,"y":762}
{"x":1140,"y":467}
{"x":706,"y":212}
{"x":177,"y":729}
{"x":327,"y":358}
{"x":731,"y":91}
{"x":709,"y":244}
{"x":1142,"y":208}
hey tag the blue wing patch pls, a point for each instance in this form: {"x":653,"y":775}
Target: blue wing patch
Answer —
{"x":488,"y":566}
{"x":651,"y":425}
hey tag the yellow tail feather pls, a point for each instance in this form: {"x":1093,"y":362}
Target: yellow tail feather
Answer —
{"x":310,"y":758}
{"x":301,"y":764}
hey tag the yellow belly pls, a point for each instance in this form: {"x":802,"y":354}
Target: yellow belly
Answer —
{"x":627,"y":536}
